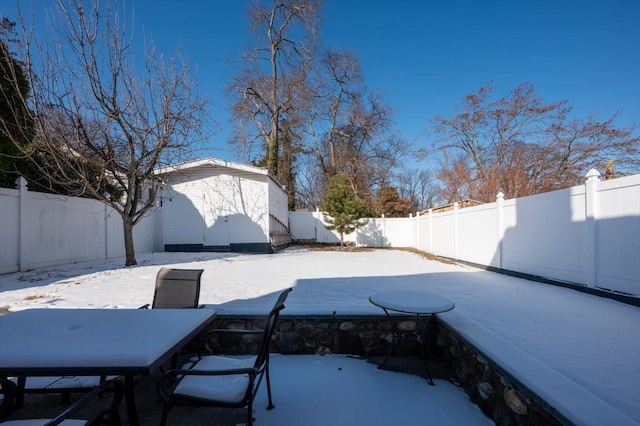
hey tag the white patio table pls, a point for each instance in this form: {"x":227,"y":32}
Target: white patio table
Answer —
{"x":416,"y":302}
{"x":92,"y":342}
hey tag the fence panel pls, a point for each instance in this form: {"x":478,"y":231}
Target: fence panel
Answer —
{"x":478,"y":234}
{"x":400,"y":232}
{"x":146,"y":234}
{"x":302,"y":226}
{"x":423,"y":233}
{"x":62,"y":230}
{"x":9,"y":230}
{"x":617,"y":235}
{"x":587,"y":234}
{"x":40,"y":230}
{"x":370,"y":235}
{"x":546,"y":235}
{"x":443,"y":234}
{"x":309,"y":226}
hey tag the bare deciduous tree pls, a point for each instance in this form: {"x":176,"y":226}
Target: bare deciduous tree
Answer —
{"x":298,"y":110}
{"x":350,"y":129}
{"x":420,"y":187}
{"x":101,"y":128}
{"x":521,"y":145}
{"x":270,"y":84}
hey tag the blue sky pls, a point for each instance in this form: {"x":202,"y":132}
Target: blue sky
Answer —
{"x":424,"y":56}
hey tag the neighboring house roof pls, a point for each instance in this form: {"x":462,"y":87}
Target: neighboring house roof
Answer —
{"x":461,"y":204}
{"x":215,"y":162}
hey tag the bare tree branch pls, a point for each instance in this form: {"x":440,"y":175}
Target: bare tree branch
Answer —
{"x":521,"y":145}
{"x":101,"y":128}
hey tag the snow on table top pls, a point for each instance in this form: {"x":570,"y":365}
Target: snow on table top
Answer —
{"x":70,"y":338}
{"x":412,"y":301}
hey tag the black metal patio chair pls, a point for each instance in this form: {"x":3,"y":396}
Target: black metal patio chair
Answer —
{"x":176,"y":289}
{"x":106,"y":415}
{"x":223,"y":381}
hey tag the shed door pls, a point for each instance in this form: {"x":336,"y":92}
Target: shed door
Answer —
{"x":215,"y":209}
{"x":217,"y":231}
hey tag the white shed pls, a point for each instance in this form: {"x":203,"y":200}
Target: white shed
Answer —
{"x":216,"y":205}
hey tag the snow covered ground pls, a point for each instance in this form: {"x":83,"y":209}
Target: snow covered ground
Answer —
{"x":579,"y":351}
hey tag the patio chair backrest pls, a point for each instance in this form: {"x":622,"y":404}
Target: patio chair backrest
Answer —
{"x":177,"y":288}
{"x":270,"y":326}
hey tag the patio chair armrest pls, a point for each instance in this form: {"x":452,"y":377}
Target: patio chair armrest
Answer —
{"x":228,"y":372}
{"x":169,"y":380}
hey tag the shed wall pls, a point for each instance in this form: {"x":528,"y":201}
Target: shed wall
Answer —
{"x":215,"y":208}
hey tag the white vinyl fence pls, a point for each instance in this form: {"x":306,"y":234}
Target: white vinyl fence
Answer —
{"x":587,"y":235}
{"x":39,"y":230}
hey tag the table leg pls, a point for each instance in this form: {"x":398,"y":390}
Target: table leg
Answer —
{"x":22,"y":384}
{"x":132,"y":413}
{"x":424,"y":341}
{"x":393,"y":338}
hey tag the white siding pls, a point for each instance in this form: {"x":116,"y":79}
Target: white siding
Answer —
{"x":248,"y":207}
{"x":215,"y":206}
{"x":182,"y":210}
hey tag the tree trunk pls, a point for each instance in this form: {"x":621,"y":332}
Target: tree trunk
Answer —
{"x":273,"y":151}
{"x":128,"y":243}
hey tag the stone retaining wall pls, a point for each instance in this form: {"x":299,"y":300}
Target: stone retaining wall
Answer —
{"x":497,"y":394}
{"x":362,"y":335}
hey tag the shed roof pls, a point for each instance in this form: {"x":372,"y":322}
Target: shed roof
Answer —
{"x":216,"y":162}
{"x":210,"y":162}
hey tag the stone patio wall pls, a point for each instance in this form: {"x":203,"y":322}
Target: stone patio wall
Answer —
{"x":497,"y":394}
